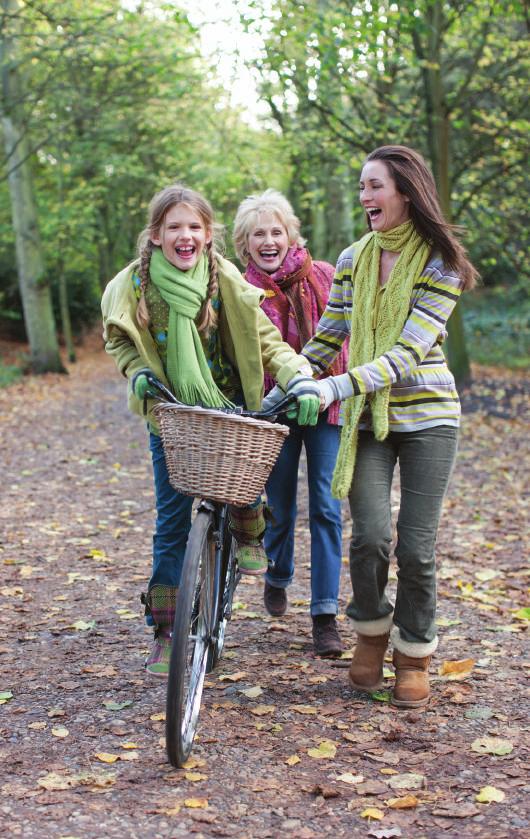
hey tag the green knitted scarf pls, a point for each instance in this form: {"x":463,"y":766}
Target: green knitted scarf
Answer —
{"x":368,"y":342}
{"x":187,"y":368}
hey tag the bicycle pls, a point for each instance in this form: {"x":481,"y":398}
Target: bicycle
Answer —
{"x":219,"y":476}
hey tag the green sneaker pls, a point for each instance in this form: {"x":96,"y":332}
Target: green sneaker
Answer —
{"x":157,"y":662}
{"x":252,"y":558}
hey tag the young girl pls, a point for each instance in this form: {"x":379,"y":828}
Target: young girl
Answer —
{"x":184,"y":314}
{"x":268,"y":242}
{"x":393,"y":293}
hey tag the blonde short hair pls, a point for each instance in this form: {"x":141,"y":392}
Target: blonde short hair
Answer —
{"x":270,"y":201}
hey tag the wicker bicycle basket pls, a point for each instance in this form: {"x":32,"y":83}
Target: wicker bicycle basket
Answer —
{"x":223,"y":457}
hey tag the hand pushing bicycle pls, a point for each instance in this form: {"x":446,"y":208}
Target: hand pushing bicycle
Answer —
{"x":227,"y":464}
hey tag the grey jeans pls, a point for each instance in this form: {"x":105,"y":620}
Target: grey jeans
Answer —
{"x":426,"y":460}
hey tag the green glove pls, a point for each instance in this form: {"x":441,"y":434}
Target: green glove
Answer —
{"x":140,"y":384}
{"x":308,"y":395}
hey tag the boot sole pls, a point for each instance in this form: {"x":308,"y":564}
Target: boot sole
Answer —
{"x":413,"y":703}
{"x":329,"y":654}
{"x":252,"y":572}
{"x":365,"y":688}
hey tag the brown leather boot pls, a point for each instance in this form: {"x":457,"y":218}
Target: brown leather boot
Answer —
{"x":326,"y":638}
{"x":411,"y":689}
{"x":366,"y":669}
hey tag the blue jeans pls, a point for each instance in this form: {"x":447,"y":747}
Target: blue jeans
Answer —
{"x":173,"y":522}
{"x":426,"y":460}
{"x":325,"y":520}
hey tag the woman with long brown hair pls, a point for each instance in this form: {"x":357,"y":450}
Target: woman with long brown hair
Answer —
{"x":393,"y":293}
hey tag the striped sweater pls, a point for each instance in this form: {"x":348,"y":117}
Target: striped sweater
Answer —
{"x":423,"y":392}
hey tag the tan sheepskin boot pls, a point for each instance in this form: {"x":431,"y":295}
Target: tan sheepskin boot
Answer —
{"x":366,"y":669}
{"x":411,"y":689}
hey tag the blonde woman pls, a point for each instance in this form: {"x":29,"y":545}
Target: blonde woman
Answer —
{"x":269,"y":244}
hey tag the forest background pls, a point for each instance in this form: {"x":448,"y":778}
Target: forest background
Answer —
{"x":103,"y":103}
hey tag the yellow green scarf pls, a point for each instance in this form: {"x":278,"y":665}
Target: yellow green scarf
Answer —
{"x":187,"y":368}
{"x":368,"y":342}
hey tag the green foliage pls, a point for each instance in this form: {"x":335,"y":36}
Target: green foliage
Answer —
{"x":497,"y":323}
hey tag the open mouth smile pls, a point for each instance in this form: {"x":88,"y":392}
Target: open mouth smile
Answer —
{"x":185,"y":251}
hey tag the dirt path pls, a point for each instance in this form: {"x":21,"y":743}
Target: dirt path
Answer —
{"x":82,"y":727}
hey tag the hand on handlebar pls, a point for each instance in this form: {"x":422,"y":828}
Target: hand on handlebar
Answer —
{"x":273,"y":397}
{"x":142,"y":381}
{"x":308,"y":395}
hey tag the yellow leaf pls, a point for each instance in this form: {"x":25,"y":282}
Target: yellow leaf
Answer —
{"x":492,"y":746}
{"x":38,"y":726}
{"x":130,"y":756}
{"x":292,"y":760}
{"x":200,"y":803}
{"x":488,"y":794}
{"x":129,"y":746}
{"x":387,"y":771}
{"x":60,"y":731}
{"x":82,"y":626}
{"x":349,"y":778}
{"x":372,"y":813}
{"x":455,"y":670}
{"x":192,"y":762}
{"x":158,"y":717}
{"x":261,"y":710}
{"x":171,"y":811}
{"x":54,"y":781}
{"x":195,"y":776}
{"x":252,"y":693}
{"x":233,"y":677}
{"x":326,"y":749}
{"x":106,"y":757}
{"x":406,"y":802}
{"x":303,"y":709}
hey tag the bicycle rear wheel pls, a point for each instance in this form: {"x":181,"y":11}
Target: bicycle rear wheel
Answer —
{"x":193,"y":639}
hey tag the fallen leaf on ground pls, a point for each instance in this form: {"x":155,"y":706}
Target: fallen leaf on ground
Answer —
{"x":407,"y":780}
{"x":407,"y":802}
{"x":372,"y":813}
{"x":489,"y":794}
{"x":491,"y":746}
{"x":349,"y":778}
{"x":325,"y":749}
{"x":200,"y":803}
{"x":454,"y":670}
{"x":60,"y":731}
{"x":303,"y":709}
{"x":233,"y":677}
{"x":261,"y":710}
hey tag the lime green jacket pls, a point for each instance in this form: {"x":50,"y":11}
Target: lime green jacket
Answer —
{"x":249,"y":339}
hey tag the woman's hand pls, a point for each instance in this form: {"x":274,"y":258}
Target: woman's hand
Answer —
{"x":273,"y":397}
{"x":307,"y":392}
{"x":335,"y":388}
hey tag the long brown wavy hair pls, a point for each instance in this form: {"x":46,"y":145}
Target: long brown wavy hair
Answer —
{"x":414,"y":179}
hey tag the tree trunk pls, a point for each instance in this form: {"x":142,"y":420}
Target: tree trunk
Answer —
{"x":34,"y":288}
{"x":439,"y":142}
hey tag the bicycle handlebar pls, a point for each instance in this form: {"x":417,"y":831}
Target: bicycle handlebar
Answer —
{"x":165,"y":395}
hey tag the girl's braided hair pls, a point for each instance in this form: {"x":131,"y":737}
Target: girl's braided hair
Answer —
{"x":159,"y":206}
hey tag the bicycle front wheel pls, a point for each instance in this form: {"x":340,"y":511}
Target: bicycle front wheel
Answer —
{"x":192,"y":638}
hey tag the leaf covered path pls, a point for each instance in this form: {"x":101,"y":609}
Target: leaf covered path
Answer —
{"x":285,"y":747}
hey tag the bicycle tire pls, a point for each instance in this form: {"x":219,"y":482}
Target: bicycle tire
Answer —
{"x":192,"y":639}
{"x":230,"y":576}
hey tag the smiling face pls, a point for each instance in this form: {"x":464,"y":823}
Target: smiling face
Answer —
{"x":268,"y":242}
{"x":182,"y":237}
{"x":385,"y":207}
